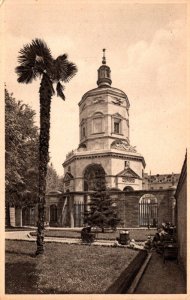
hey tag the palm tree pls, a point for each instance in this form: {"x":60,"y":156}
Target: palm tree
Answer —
{"x":35,"y":60}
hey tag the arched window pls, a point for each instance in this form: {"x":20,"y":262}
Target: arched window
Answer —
{"x":94,"y":177}
{"x":148,"y":211}
{"x":97,"y":123}
{"x":128,"y":189}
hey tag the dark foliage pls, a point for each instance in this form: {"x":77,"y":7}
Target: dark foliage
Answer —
{"x":101,"y":211}
{"x":21,"y":153}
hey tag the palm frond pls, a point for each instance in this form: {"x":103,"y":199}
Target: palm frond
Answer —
{"x":59,"y":89}
{"x":63,"y":69}
{"x":71,"y":71}
{"x":26,"y":74}
{"x":34,"y":59}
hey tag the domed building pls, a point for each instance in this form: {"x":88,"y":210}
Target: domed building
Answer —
{"x":104,"y":149}
{"x":105,"y":154}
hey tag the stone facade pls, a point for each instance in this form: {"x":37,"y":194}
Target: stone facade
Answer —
{"x":104,"y":146}
{"x":160,"y":181}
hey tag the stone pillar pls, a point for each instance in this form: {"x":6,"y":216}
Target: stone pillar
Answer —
{"x":12,"y":216}
{"x":71,"y":210}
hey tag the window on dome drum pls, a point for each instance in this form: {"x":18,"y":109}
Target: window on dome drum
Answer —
{"x":117,"y":126}
{"x":97,"y":125}
{"x":83,"y":132}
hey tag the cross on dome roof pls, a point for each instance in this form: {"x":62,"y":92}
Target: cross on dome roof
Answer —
{"x":104,"y":58}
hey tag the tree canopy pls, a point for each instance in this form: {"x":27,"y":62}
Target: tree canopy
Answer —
{"x":21,"y":152}
{"x":53,"y":181}
{"x":21,"y":155}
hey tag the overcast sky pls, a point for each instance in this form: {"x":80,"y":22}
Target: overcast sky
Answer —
{"x":146,"y":51}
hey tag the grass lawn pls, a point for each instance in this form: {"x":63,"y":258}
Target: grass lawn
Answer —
{"x":137,"y":234}
{"x":63,"y":269}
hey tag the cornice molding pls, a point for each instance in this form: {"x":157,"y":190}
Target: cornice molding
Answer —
{"x":116,"y":136}
{"x":107,"y":91}
{"x":106,"y":154}
{"x":105,"y":103}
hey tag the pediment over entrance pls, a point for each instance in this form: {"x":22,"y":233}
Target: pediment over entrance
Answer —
{"x":129,"y":173}
{"x":68,"y":176}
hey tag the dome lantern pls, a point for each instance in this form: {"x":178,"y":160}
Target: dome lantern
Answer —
{"x":104,"y":73}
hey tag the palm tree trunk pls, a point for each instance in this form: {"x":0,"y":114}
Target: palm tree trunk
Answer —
{"x":45,"y":105}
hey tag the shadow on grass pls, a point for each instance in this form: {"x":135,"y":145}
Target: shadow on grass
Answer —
{"x":21,"y":278}
{"x":21,"y":253}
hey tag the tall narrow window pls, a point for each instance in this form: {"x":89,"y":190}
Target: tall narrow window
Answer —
{"x":83,"y":132}
{"x":116,"y":126}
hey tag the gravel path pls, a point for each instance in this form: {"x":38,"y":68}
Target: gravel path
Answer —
{"x":25,"y":236}
{"x":160,"y":278}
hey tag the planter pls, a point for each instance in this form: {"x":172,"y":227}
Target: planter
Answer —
{"x":124,"y":281}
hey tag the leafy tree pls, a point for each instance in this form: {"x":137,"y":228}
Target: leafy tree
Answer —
{"x":53,"y":181}
{"x":35,"y":60}
{"x":102,"y":211}
{"x":21,"y":155}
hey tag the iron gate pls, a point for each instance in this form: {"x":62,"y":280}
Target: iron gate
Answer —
{"x":148,"y":211}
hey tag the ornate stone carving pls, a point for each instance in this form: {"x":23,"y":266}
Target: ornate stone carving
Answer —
{"x":128,"y":179}
{"x":97,"y":100}
{"x":123,"y":145}
{"x":117,"y":101}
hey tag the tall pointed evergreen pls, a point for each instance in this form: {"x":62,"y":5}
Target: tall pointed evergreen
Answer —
{"x":35,"y":61}
{"x":101,"y":211}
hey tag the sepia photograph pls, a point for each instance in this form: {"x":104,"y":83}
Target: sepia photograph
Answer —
{"x":94,"y":120}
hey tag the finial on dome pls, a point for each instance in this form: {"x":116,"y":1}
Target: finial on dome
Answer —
{"x":104,"y":73}
{"x":104,"y":58}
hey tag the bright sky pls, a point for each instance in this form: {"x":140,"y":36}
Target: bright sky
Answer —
{"x":146,"y":51}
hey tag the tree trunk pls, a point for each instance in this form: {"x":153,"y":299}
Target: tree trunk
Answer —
{"x":7,"y":215}
{"x":45,"y":104}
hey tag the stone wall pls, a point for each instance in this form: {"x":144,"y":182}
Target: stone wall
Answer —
{"x":181,"y":215}
{"x":128,"y":206}
{"x":127,"y":203}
